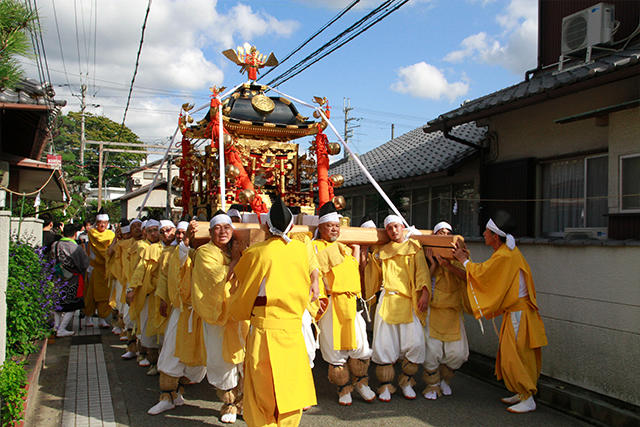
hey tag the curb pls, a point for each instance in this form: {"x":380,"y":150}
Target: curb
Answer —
{"x":587,"y":405}
{"x":35,"y":362}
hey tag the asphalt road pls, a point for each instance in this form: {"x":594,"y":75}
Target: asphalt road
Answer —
{"x":473,"y":403}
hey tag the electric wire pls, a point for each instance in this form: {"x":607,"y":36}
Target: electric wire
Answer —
{"x":75,"y":17}
{"x":304,"y":43}
{"x":64,"y":65}
{"x":383,"y":9}
{"x":384,"y":15}
{"x":135,"y":71}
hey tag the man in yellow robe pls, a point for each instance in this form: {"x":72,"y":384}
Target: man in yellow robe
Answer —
{"x":130,"y":259}
{"x":96,"y":298}
{"x":210,"y":295}
{"x":343,"y":338}
{"x":174,"y":289}
{"x":273,"y":291}
{"x":400,"y":271}
{"x":142,"y":285}
{"x":115,"y":270}
{"x":503,"y":285}
{"x":446,"y":340}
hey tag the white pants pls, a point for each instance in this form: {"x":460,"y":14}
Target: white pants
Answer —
{"x":168,"y":362}
{"x":118,"y":289}
{"x":450,"y":353}
{"x":149,"y":342}
{"x":340,"y":357}
{"x":310,"y":341}
{"x":220,"y":373}
{"x":392,"y":342}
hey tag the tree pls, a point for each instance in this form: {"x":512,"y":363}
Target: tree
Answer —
{"x":97,"y":128}
{"x":15,"y":23}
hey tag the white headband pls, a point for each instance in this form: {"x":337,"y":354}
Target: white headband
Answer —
{"x":234,"y":212}
{"x":144,"y":224}
{"x":279,"y":233}
{"x":368,"y":224}
{"x":439,"y":226}
{"x":511,"y":241}
{"x":166,"y":223}
{"x":220,"y":219}
{"x":125,"y":229}
{"x":135,"y":221}
{"x":182,"y":225}
{"x":102,"y":217}
{"x":330,"y":217}
{"x":151,"y":223}
{"x":391,"y":219}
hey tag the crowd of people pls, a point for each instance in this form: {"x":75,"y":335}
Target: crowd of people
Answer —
{"x":250,"y":319}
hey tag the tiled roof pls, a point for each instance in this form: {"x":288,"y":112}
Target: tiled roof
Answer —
{"x":543,"y":83}
{"x":412,"y":154}
{"x":29,"y":91}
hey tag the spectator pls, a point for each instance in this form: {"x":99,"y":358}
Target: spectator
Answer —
{"x":48,"y":236}
{"x":71,"y":263}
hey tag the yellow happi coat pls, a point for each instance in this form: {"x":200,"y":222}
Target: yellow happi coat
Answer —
{"x":340,"y":273}
{"x":493,"y":290}
{"x":210,"y":296}
{"x":97,"y":290}
{"x":448,"y":300}
{"x":403,"y":272}
{"x":174,"y":288}
{"x":143,"y":280}
{"x":277,"y":372}
{"x":116,"y":268}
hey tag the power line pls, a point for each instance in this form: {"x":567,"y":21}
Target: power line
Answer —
{"x":135,"y":70}
{"x":386,"y":13}
{"x":64,"y":65}
{"x":381,"y":12}
{"x":324,"y":27}
{"x":75,"y":17}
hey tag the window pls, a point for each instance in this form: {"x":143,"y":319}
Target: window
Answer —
{"x":564,"y":186}
{"x":149,"y":175}
{"x":630,"y":183}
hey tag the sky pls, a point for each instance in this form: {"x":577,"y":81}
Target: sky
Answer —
{"x":421,"y":61}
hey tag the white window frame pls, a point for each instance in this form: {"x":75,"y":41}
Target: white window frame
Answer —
{"x":626,"y":156}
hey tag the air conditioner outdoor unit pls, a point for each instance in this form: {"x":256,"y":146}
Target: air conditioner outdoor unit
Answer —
{"x":137,"y":181}
{"x":589,"y":27}
{"x":580,"y":233}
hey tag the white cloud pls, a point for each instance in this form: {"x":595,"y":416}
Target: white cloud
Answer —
{"x":515,"y":48}
{"x":423,"y":80}
{"x":178,"y":37}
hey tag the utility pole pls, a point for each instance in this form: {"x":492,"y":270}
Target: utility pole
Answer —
{"x":83,"y":141}
{"x":392,"y":128}
{"x":168,"y":209}
{"x":348,"y":130}
{"x":100,"y":172}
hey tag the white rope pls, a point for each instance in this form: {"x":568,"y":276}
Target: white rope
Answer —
{"x":223,"y":184}
{"x":357,"y":160}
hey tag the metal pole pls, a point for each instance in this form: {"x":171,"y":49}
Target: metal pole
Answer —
{"x":100,"y":153}
{"x":168,"y":210}
{"x":83,"y":106}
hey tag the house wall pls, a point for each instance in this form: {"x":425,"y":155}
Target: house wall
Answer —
{"x":30,"y":230}
{"x":591,"y":313}
{"x":157,"y":199}
{"x":531,"y":131}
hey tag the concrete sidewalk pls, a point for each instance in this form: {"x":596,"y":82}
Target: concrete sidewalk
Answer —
{"x":85,"y":383}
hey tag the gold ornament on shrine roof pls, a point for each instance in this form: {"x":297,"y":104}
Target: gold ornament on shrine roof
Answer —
{"x":339,"y":202}
{"x":262,"y":104}
{"x":333,"y":148}
{"x":337,"y":180}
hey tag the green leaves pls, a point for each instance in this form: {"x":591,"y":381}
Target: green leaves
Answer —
{"x":13,"y":380}
{"x":15,"y":23}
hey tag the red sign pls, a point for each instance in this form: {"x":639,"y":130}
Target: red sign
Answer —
{"x":54,"y":160}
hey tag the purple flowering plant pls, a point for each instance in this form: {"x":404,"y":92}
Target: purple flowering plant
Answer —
{"x":32,"y":296}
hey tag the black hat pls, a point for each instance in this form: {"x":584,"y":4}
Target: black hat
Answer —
{"x":279,"y":215}
{"x":327,"y":208}
{"x":124,"y":222}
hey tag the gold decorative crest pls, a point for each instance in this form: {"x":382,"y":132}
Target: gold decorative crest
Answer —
{"x":262,"y":104}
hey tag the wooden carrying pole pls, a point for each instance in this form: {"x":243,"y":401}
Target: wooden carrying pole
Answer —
{"x":249,"y":234}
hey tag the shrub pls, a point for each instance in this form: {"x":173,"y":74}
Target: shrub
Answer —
{"x":13,"y":380}
{"x":32,"y":294}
